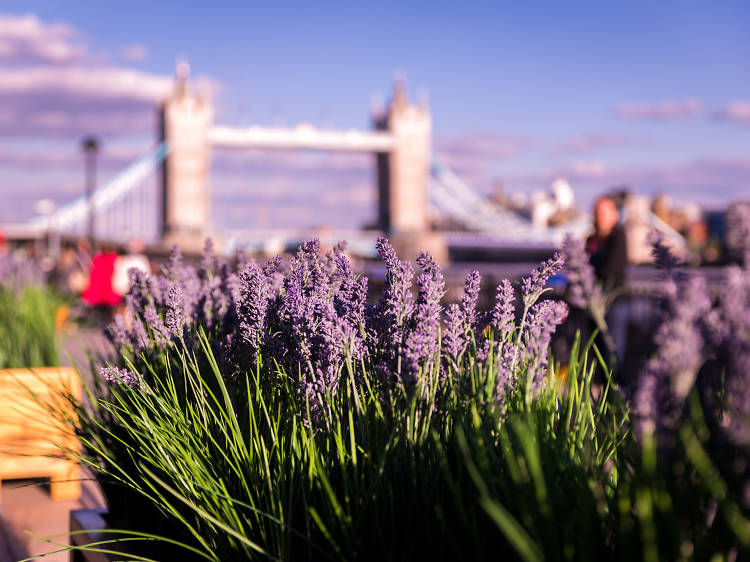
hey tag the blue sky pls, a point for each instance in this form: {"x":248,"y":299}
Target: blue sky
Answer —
{"x":652,"y":94}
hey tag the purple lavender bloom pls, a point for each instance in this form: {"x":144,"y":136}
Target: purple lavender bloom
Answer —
{"x":583,"y":289}
{"x":664,"y":258}
{"x":252,"y":307}
{"x":121,"y":376}
{"x":503,"y":314}
{"x":16,"y":273}
{"x":728,"y":327}
{"x":469,"y":299}
{"x":351,"y":297}
{"x":117,"y":333}
{"x":272,"y":266}
{"x":422,"y":338}
{"x":580,"y":273}
{"x":505,"y":375}
{"x":454,"y":339}
{"x":139,"y":295}
{"x":174,"y":265}
{"x":670,"y":374}
{"x":309,"y":254}
{"x":310,"y":316}
{"x":272,"y":271}
{"x":395,"y":305}
{"x":139,"y":338}
{"x":543,"y":319}
{"x":174,"y":318}
{"x":156,"y":324}
{"x":533,"y":285}
{"x":208,"y":260}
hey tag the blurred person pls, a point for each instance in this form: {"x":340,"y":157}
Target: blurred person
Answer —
{"x":607,"y":246}
{"x":134,"y":259}
{"x":67,"y":276}
{"x":4,"y":249}
{"x":99,"y":292}
{"x":608,"y":251}
{"x":697,"y":242}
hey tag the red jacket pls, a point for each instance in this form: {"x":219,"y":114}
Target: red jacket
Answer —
{"x":99,"y":290}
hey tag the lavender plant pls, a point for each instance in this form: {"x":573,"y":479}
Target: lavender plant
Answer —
{"x":337,"y":413}
{"x":270,"y":411}
{"x":316,"y":318}
{"x":27,"y":315}
{"x":584,"y":290}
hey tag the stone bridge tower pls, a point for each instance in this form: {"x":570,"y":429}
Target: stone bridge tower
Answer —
{"x":403,"y":176}
{"x":186,"y":120}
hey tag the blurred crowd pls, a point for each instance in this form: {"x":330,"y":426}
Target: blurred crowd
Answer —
{"x":100,"y":277}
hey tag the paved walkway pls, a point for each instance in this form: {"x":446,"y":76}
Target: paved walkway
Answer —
{"x":27,"y":510}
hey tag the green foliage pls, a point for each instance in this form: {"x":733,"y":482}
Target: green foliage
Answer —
{"x":230,"y":468}
{"x":237,"y":472}
{"x":27,"y":327}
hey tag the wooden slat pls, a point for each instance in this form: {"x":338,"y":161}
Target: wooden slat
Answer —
{"x":30,"y":436}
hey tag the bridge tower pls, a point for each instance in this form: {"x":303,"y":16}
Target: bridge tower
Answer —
{"x":185,"y":121}
{"x":403,"y":175}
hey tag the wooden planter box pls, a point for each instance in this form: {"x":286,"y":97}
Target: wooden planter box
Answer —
{"x":30,"y":436}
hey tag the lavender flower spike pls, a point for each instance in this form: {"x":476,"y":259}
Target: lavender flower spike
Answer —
{"x":533,"y":285}
{"x":580,"y":273}
{"x":174,"y":317}
{"x":454,"y":339}
{"x":503,"y":314}
{"x":121,"y":376}
{"x":422,"y":339}
{"x":470,"y":297}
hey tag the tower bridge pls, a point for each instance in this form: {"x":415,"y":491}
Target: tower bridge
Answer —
{"x":411,"y":183}
{"x":401,"y":144}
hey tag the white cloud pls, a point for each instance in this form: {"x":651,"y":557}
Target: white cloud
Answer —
{"x":26,"y":39}
{"x":669,"y":109}
{"x":104,"y":83}
{"x":53,"y":84}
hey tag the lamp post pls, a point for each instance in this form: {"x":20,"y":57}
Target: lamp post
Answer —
{"x":90,"y":147}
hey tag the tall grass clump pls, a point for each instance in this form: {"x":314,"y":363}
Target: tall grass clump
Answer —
{"x":272,"y":411}
{"x":27,"y":316}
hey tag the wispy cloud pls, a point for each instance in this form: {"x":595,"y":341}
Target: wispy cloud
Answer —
{"x":709,"y":180}
{"x":736,"y":111}
{"x":482,"y":145}
{"x":474,"y":154}
{"x":585,"y":170}
{"x":54,"y":84}
{"x":72,"y":100}
{"x":669,"y":109}
{"x":134,"y":53}
{"x":592,"y":141}
{"x":26,"y":38}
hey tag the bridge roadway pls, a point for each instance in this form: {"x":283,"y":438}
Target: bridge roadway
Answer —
{"x":302,"y":137}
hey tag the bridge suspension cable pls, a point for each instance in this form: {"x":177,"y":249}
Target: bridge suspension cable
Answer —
{"x":455,"y":199}
{"x":106,"y":197}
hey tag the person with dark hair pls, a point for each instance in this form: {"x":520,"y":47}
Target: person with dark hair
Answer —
{"x":607,"y":246}
{"x":608,"y":251}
